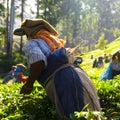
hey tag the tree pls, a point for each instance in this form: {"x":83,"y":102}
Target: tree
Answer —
{"x":116,"y":32}
{"x":22,"y":17}
{"x":77,"y":21}
{"x":101,"y":42}
{"x":7,"y":29}
{"x":38,"y":12}
{"x":10,"y":36}
{"x":2,"y":28}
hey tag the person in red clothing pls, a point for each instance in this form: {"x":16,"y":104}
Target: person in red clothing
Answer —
{"x":18,"y":73}
{"x":22,"y":77}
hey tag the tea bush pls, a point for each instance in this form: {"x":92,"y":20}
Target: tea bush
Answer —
{"x":36,"y":106}
{"x":15,"y":106}
{"x":109,"y":92}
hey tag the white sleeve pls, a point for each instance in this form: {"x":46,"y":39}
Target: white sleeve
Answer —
{"x":34,"y":53}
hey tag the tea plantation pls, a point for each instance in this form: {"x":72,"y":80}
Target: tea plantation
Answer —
{"x":36,"y":106}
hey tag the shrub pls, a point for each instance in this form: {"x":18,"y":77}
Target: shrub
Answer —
{"x":109,"y":93}
{"x":15,"y":106}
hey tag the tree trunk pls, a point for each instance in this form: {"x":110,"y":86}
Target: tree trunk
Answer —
{"x":37,"y":14}
{"x":10,"y":40}
{"x":22,"y":11}
{"x":7,"y":27}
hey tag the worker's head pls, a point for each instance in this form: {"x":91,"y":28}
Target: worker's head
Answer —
{"x":30,"y":27}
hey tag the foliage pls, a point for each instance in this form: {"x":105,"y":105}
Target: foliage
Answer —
{"x":113,"y":46}
{"x":101,"y":42}
{"x":2,"y":9}
{"x":117,"y":32}
{"x":2,"y":30}
{"x":89,"y":115}
{"x":109,"y":92}
{"x":14,"y":106}
{"x":36,"y":106}
{"x":110,"y":49}
{"x":1,"y":42}
{"x":18,"y":58}
{"x":5,"y":63}
{"x":78,"y":21}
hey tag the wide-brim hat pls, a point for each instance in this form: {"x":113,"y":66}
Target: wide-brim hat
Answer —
{"x":117,"y":52}
{"x":21,"y":65}
{"x":31,"y":26}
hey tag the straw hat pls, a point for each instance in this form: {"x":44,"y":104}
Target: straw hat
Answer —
{"x":30,"y":26}
{"x":116,"y":52}
{"x":21,"y":65}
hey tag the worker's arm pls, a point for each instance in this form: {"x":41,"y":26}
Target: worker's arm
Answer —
{"x":35,"y":71}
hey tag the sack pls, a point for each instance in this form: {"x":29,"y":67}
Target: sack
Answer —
{"x":71,"y":59}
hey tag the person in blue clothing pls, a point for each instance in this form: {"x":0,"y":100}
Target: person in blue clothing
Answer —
{"x":10,"y":75}
{"x":116,"y":63}
{"x":19,"y":68}
{"x":113,"y":67}
{"x":68,"y":87}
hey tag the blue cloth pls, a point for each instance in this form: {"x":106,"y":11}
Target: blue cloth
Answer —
{"x":17,"y":70}
{"x":7,"y":78}
{"x":54,"y":60}
{"x":68,"y":84}
{"x":70,"y":90}
{"x":108,"y":73}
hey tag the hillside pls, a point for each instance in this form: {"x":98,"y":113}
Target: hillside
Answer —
{"x":111,"y":48}
{"x":87,"y":61}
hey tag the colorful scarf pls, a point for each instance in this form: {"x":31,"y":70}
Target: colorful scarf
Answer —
{"x":53,"y":41}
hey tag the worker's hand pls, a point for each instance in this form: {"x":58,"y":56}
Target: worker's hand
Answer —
{"x":35,"y":70}
{"x":26,"y":89}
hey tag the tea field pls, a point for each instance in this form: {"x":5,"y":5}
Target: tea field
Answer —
{"x":36,"y":106}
